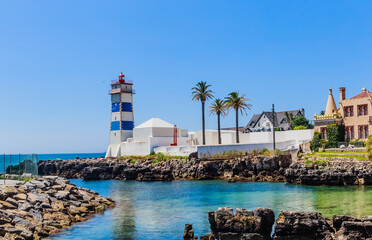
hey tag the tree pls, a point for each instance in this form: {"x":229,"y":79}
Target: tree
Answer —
{"x":322,"y":112}
{"x":202,"y":93}
{"x":289,"y":119}
{"x":300,"y":121}
{"x":239,"y":103}
{"x":316,"y":143}
{"x":369,"y":147}
{"x":218,"y":107}
{"x":334,"y":136}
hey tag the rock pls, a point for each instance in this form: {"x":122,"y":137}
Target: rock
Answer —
{"x":301,"y":224}
{"x":23,"y":223}
{"x":189,"y":232}
{"x":7,"y":191}
{"x":7,"y":205}
{"x":62,"y":195}
{"x":20,"y":196}
{"x":339,"y":219}
{"x":243,"y":225}
{"x":5,"y":217}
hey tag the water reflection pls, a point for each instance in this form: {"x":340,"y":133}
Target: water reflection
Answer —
{"x":159,"y":210}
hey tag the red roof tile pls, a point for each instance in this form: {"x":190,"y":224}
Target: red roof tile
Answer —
{"x":365,"y":94}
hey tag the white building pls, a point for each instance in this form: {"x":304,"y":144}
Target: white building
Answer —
{"x":151,"y":135}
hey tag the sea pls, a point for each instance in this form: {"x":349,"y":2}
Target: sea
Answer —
{"x":160,"y":210}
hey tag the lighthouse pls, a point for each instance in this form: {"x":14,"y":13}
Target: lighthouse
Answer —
{"x":122,"y":119}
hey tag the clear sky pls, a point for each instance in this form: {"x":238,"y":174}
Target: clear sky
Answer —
{"x":57,"y":59}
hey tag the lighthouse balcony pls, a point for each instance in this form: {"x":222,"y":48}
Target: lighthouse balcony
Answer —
{"x":121,"y":90}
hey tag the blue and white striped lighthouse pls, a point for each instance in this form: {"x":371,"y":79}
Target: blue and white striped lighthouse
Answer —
{"x":122,"y":119}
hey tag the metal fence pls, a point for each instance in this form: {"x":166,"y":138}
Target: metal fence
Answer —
{"x":17,"y":165}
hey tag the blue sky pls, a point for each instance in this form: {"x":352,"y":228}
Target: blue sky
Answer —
{"x":57,"y":59}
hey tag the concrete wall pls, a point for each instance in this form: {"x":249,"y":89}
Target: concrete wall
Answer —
{"x":229,"y":137}
{"x":205,"y":151}
{"x":176,"y":150}
{"x":134,"y":148}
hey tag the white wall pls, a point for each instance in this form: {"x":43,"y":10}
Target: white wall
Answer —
{"x":212,"y":150}
{"x":229,"y":137}
{"x":134,"y":148}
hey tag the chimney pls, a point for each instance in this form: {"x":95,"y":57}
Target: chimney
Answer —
{"x":342,"y":94}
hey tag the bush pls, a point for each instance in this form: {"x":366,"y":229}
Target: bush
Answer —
{"x":357,"y":143}
{"x":300,"y":128}
{"x":316,"y":143}
{"x":278,"y":152}
{"x":369,"y":147}
{"x":152,"y":153}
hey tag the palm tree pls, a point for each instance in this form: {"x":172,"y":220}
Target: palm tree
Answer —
{"x":218,"y":107}
{"x":289,"y":119}
{"x":202,"y":93}
{"x":239,"y":103}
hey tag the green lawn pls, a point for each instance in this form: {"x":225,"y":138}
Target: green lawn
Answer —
{"x":338,"y":155}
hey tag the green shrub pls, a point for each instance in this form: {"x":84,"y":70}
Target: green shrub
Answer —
{"x":152,"y":153}
{"x":316,"y":143}
{"x":300,"y":128}
{"x":369,"y":147}
{"x":308,"y":161}
{"x":357,"y":143}
{"x":278,"y":152}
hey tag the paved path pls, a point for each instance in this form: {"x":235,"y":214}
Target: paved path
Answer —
{"x":9,"y":182}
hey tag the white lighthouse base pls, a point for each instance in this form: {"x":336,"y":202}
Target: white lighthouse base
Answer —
{"x":113,"y":150}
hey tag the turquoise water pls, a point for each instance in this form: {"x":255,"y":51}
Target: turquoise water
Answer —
{"x":14,"y":159}
{"x":159,"y":210}
{"x":69,"y":156}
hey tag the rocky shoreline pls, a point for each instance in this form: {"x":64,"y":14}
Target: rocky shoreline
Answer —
{"x":44,"y":206}
{"x":247,"y":168}
{"x":258,"y":168}
{"x":290,"y":225}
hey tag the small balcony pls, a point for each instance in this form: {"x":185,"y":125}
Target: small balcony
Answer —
{"x":124,"y":82}
{"x":121,"y":90}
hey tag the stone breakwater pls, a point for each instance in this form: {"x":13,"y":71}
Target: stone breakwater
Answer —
{"x":44,"y":206}
{"x":335,"y":172}
{"x":290,"y":225}
{"x":247,"y":168}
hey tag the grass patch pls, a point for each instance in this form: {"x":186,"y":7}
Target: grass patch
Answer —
{"x":341,"y":155}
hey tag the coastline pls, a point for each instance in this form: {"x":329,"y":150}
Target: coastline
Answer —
{"x":245,"y":169}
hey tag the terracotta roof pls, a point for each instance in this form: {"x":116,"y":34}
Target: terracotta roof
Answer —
{"x":364,"y":94}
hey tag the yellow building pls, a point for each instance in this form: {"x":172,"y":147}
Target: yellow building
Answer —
{"x":354,"y":113}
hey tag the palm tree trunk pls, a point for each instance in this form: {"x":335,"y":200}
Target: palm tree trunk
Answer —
{"x":219,"y":129}
{"x":237,"y":125}
{"x":203,"y":122}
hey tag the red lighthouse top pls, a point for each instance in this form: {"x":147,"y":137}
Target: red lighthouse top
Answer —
{"x":121,"y":78}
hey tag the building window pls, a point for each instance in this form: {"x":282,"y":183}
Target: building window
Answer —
{"x":363,"y":132}
{"x":363,"y":110}
{"x":349,"y":133}
{"x":349,"y":111}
